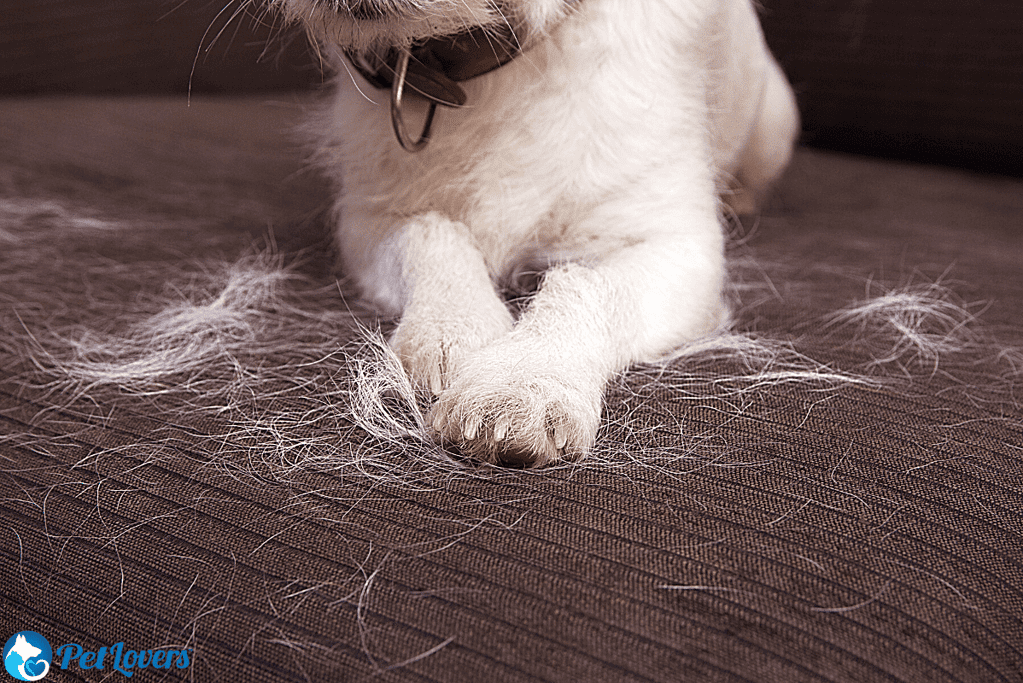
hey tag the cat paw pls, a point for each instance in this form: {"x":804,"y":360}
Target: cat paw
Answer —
{"x":522,"y":421}
{"x":432,"y":349}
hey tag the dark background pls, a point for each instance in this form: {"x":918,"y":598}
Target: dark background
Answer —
{"x":929,"y":80}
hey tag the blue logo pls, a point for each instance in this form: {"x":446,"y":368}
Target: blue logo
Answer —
{"x":27,"y":656}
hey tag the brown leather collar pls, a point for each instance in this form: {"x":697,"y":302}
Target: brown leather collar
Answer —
{"x":432,"y":69}
{"x":436,"y":65}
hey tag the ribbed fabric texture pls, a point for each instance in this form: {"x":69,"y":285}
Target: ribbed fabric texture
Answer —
{"x":795,"y":532}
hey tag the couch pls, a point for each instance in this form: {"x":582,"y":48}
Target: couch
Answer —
{"x":204,"y":449}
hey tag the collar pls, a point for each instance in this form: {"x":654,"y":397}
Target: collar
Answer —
{"x":432,"y":69}
{"x":436,"y":65}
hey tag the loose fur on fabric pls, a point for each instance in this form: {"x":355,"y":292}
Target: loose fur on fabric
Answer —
{"x":132,"y":295}
{"x":307,"y":385}
{"x":597,"y":156}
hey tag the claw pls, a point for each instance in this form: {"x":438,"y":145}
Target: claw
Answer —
{"x":560,"y":438}
{"x":437,"y":419}
{"x":470,"y":429}
{"x":435,"y":381}
{"x":501,"y":430}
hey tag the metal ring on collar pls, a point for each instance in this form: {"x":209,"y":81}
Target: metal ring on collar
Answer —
{"x":397,"y":118}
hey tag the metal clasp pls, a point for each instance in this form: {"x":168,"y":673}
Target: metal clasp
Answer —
{"x":397,"y":118}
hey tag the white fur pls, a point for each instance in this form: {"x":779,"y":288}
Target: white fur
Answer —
{"x":598,"y":155}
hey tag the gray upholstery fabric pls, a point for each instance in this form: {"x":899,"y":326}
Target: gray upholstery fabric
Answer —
{"x":934,"y":80}
{"x":124,"y":46}
{"x":743,"y":519}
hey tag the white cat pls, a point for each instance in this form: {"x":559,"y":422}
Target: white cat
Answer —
{"x":591,"y":140}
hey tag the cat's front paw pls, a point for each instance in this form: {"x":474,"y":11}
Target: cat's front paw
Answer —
{"x":432,"y":348}
{"x":501,"y":413}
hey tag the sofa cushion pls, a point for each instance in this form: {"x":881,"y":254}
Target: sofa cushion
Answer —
{"x":191,"y":459}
